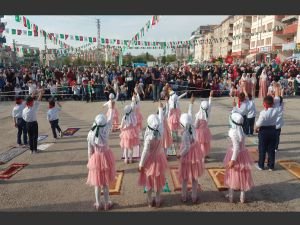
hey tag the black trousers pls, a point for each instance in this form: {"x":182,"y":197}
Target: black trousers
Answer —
{"x":266,"y":144}
{"x":33,"y":131}
{"x":22,"y":129}
{"x":54,"y":127}
{"x":278,"y":132}
{"x":245,"y":124}
{"x":250,"y":126}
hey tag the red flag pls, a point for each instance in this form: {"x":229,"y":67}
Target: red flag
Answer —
{"x":66,"y":36}
{"x":94,"y":39}
{"x":106,"y":41}
{"x":118,"y":42}
{"x":81,"y":38}
{"x":153,"y":20}
{"x":139,"y":43}
{"x":24,"y":21}
{"x":19,"y":32}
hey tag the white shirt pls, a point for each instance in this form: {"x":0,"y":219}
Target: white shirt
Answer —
{"x":53,"y":89}
{"x":31,"y":88}
{"x":267,"y":117}
{"x":29,"y":114}
{"x":279,"y":121}
{"x":18,"y":110}
{"x":243,"y":109}
{"x":53,"y":114}
{"x":251,"y":109}
{"x":236,"y":145}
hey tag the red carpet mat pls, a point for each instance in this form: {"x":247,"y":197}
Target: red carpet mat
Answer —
{"x":175,"y":178}
{"x":217,"y":174}
{"x":115,"y":187}
{"x":291,"y":166}
{"x":11,"y":170}
{"x":70,"y":131}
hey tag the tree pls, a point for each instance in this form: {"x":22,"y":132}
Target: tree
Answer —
{"x":66,"y":61}
{"x":171,"y":58}
{"x":163,"y":60}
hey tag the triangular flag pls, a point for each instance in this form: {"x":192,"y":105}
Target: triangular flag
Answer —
{"x":28,"y":24}
{"x":17,"y":18}
{"x":77,"y":38}
{"x":71,"y":37}
{"x":94,"y":39}
{"x":90,"y":39}
{"x":81,"y":38}
{"x":24,"y":32}
{"x":66,"y":36}
{"x":19,"y":32}
{"x":62,"y":36}
{"x":24,"y":21}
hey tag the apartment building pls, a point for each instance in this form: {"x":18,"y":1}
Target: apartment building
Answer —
{"x":242,"y":34}
{"x":217,"y":43}
{"x":267,"y":39}
{"x":208,"y":46}
{"x":227,"y":31}
{"x":198,"y":36}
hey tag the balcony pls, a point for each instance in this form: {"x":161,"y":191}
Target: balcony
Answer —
{"x":290,"y":29}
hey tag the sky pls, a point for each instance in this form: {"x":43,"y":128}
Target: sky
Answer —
{"x":169,"y":28}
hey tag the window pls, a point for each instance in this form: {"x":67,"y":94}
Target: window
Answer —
{"x":253,"y":30}
{"x":269,"y":26}
{"x":252,"y":44}
{"x":268,"y":41}
{"x":254,"y":19}
{"x":259,"y":29}
{"x":263,"y":28}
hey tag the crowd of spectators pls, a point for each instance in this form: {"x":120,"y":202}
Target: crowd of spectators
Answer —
{"x":96,"y":83}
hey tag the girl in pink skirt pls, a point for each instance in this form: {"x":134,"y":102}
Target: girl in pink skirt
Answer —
{"x":237,"y":160}
{"x":191,"y":159}
{"x":129,"y":135}
{"x":153,"y":164}
{"x":167,"y":135}
{"x":101,"y":162}
{"x":115,"y":114}
{"x":174,"y":113}
{"x":201,"y":124}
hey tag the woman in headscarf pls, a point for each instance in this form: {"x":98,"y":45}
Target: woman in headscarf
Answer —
{"x":263,"y":84}
{"x":237,"y":160}
{"x":153,"y":164}
{"x":101,"y":162}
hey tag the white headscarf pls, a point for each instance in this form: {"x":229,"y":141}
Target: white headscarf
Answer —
{"x":111,"y":96}
{"x":263,"y":74}
{"x":186,"y":123}
{"x":298,"y":78}
{"x":203,"y":111}
{"x":99,"y":132}
{"x":154,"y":129}
{"x":129,"y":117}
{"x":236,"y":126}
{"x":173,"y":100}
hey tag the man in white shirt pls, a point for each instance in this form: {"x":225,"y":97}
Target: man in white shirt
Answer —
{"x":30,"y":116}
{"x":266,"y":128}
{"x":19,"y":121}
{"x":53,"y":118}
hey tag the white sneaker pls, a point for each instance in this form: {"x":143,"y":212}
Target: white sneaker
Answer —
{"x":257,"y":167}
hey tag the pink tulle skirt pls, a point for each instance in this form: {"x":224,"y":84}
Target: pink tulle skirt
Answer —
{"x":167,"y":136}
{"x":129,"y":137}
{"x":101,"y":167}
{"x":139,"y":118}
{"x":153,"y":176}
{"x":191,"y":165}
{"x":204,"y":137}
{"x":115,"y":119}
{"x":173,"y":119}
{"x":239,"y":177}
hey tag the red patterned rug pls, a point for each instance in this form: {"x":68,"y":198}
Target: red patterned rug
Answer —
{"x":11,"y":170}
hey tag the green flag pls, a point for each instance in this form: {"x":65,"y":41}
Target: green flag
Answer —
{"x":102,"y":40}
{"x":28,"y":24}
{"x":90,"y":40}
{"x":77,"y":38}
{"x":62,"y":36}
{"x":29,"y":33}
{"x":17,"y":18}
{"x":13,"y":31}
